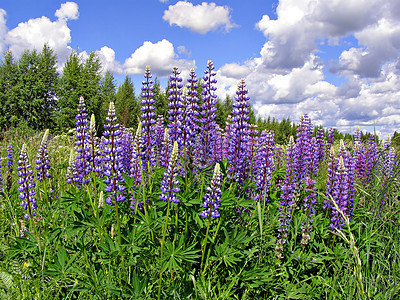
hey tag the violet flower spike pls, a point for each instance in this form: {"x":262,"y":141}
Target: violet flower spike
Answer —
{"x":113,"y":159}
{"x":83,"y":146}
{"x":42,"y":159}
{"x":240,"y":135}
{"x":26,"y":184}
{"x":309,"y":209}
{"x":213,"y":195}
{"x":148,"y":120}
{"x":169,"y":184}
{"x":207,"y":117}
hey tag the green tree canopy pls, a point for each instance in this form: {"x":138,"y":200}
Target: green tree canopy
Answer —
{"x":126,"y":105}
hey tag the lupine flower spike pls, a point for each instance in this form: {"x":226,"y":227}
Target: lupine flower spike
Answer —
{"x":26,"y":184}
{"x":113,"y":157}
{"x":42,"y":159}
{"x":213,"y":195}
{"x":169,"y":185}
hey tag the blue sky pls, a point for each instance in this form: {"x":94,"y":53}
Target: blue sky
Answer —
{"x":337,"y":61}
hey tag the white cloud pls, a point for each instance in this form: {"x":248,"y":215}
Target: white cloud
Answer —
{"x":3,"y":27}
{"x":287,"y":79}
{"x":160,"y":56}
{"x":34,"y":33}
{"x":108,"y":62}
{"x":67,"y":11}
{"x":199,"y":18}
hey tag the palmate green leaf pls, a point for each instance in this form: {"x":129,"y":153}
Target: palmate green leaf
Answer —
{"x":176,"y":256}
{"x":62,"y":266}
{"x":24,"y":245}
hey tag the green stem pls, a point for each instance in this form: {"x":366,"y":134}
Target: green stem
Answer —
{"x":91,"y":201}
{"x":162,"y":249}
{"x":205,"y":244}
{"x":213,"y":241}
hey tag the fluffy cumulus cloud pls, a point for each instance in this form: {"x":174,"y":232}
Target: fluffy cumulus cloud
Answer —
{"x":108,"y":62}
{"x":34,"y":33}
{"x":160,"y":56}
{"x":3,"y":27}
{"x":288,"y":78}
{"x":67,"y":11}
{"x":200,"y":18}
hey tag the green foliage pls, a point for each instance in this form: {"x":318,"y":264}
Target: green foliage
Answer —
{"x":80,"y":255}
{"x":28,"y":89}
{"x":81,"y":78}
{"x":127,"y":107}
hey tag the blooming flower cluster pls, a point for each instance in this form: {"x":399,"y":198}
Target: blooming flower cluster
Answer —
{"x":27,"y":185}
{"x":239,"y":138}
{"x":169,"y":185}
{"x":42,"y":159}
{"x":213,"y":195}
{"x":113,"y":159}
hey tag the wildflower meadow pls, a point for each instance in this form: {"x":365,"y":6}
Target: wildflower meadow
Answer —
{"x":180,"y":207}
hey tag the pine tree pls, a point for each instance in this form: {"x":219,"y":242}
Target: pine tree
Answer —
{"x":80,"y":78}
{"x":126,"y":106}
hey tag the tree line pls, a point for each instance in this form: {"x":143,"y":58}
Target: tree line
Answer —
{"x":33,"y":93}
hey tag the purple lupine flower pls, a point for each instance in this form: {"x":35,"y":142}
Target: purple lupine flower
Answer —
{"x":387,"y":171}
{"x":169,"y":185}
{"x":360,"y":156}
{"x":314,"y":154}
{"x":113,"y":159}
{"x":264,"y":164}
{"x":134,"y":170}
{"x":340,"y":195}
{"x":42,"y":159}
{"x":357,"y":135}
{"x":213,"y":195}
{"x":350,"y":178}
{"x":331,"y":173}
{"x":252,"y":149}
{"x":331,"y":138}
{"x":321,"y":145}
{"x":189,"y":127}
{"x":165,"y":150}
{"x":192,"y":97}
{"x":309,"y":209}
{"x":388,"y":157}
{"x":127,"y":149}
{"x":95,"y":152}
{"x":240,"y":135}
{"x":207,"y":120}
{"x":72,"y":175}
{"x":303,"y":147}
{"x":286,"y":204}
{"x":148,"y":120}
{"x":227,"y":136}
{"x":26,"y":184}
{"x":10,"y":158}
{"x":158,"y":138}
{"x":175,"y":107}
{"x":218,"y":142}
{"x":83,"y":148}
